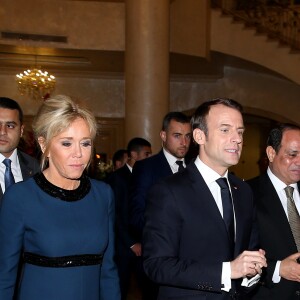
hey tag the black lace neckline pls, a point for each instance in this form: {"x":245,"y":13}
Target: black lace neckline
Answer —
{"x":62,"y":194}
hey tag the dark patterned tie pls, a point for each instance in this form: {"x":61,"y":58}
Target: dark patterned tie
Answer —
{"x":8,"y":176}
{"x":293,"y":215}
{"x":180,"y":165}
{"x":227,"y":208}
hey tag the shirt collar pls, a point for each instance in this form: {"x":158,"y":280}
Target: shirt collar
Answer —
{"x":130,"y":168}
{"x":208,"y":174}
{"x":13,"y":157}
{"x":277,"y":183}
{"x":171,"y":159}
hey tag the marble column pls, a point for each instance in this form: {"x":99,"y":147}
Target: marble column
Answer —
{"x":146,"y":68}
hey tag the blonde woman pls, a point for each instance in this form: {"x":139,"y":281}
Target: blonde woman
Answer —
{"x":60,"y":220}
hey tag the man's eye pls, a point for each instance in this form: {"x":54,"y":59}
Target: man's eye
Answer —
{"x":224,"y":130}
{"x":10,"y":126}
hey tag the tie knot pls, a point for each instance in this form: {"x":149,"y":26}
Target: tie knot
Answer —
{"x":7,"y":162}
{"x":289,"y":191}
{"x":222,"y":182}
{"x":179,"y":162}
{"x":180,"y":165}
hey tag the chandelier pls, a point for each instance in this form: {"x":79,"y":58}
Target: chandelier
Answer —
{"x":36,"y":83}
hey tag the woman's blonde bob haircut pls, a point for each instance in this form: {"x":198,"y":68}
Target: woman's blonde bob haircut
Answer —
{"x":54,"y":116}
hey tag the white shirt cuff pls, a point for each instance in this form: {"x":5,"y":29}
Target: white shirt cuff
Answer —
{"x":226,"y":277}
{"x":276,"y":277}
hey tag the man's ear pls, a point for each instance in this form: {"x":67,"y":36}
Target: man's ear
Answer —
{"x":42,"y":143}
{"x":270,"y":153}
{"x":199,"y":136}
{"x":22,"y":130}
{"x":163,"y":136}
{"x":133,"y":155}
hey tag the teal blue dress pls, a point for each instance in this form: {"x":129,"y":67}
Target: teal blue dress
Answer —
{"x":39,"y":218}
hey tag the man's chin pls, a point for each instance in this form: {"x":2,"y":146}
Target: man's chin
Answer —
{"x":180,"y":155}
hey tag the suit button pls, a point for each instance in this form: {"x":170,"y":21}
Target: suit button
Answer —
{"x":297,"y":293}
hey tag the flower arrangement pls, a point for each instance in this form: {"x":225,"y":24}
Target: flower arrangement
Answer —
{"x":104,"y":168}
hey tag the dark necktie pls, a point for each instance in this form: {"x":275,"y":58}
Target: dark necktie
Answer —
{"x":293,"y":215}
{"x":227,"y":208}
{"x":8,"y":175}
{"x":180,"y":165}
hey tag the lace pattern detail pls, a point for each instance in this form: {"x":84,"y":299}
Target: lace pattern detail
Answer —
{"x":63,"y":261}
{"x":62,"y":194}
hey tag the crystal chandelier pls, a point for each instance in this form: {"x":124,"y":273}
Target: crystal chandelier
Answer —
{"x":36,"y":83}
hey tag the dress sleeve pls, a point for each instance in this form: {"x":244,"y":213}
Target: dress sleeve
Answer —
{"x":11,"y":238}
{"x":109,"y":282}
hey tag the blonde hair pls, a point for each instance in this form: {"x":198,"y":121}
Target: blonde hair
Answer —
{"x":54,"y":116}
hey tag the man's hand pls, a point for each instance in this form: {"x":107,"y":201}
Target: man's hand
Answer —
{"x":289,"y":268}
{"x":137,"y":249}
{"x":248,"y":263}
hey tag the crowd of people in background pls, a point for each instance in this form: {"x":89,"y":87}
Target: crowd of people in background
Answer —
{"x":179,"y":223}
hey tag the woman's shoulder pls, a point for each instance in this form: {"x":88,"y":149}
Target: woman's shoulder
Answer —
{"x":21,"y":186}
{"x":100,"y":186}
{"x":18,"y":192}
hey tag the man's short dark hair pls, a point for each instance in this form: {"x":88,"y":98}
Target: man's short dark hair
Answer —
{"x":199,"y":118}
{"x":11,"y":104}
{"x":176,"y":116}
{"x":118,"y":155}
{"x":136,"y":144}
{"x":275,"y":135}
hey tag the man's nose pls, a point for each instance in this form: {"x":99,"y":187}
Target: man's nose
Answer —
{"x":3,"y":130}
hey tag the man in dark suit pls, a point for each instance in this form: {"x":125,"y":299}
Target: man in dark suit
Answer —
{"x":176,"y":137}
{"x":128,"y":247}
{"x":188,"y":247}
{"x":11,"y":130}
{"x":119,"y":159}
{"x":281,"y":281}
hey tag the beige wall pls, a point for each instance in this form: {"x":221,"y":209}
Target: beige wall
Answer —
{"x":100,"y":25}
{"x":87,"y":24}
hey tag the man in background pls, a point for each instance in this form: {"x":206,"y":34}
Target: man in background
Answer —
{"x":15,"y":165}
{"x":277,"y":197}
{"x":176,"y":137}
{"x":128,"y":247}
{"x":119,"y":159}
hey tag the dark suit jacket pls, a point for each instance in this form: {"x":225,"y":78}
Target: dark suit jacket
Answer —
{"x":120,"y":181}
{"x":145,"y":173}
{"x":185,"y":239}
{"x":276,"y":239}
{"x":29,"y":166}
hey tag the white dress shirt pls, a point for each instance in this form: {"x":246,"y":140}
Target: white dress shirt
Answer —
{"x":172,"y":161}
{"x":210,"y":177}
{"x":15,"y":168}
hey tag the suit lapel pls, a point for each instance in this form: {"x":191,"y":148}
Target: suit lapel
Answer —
{"x":208,"y":203}
{"x":25,"y":169}
{"x":271,"y":201}
{"x":164,"y":165}
{"x":240,"y":213}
